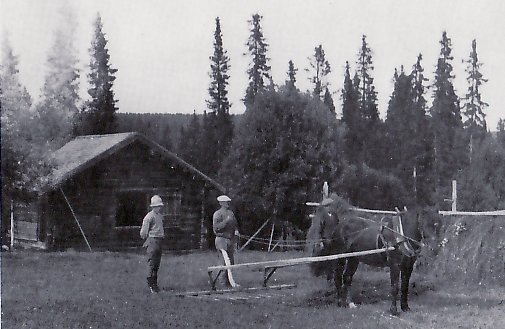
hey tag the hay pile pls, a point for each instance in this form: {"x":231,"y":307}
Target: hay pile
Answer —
{"x":471,"y":250}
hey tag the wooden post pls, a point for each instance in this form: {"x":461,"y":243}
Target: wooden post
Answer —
{"x":454,"y":194}
{"x":12,"y":224}
{"x":271,"y":236}
{"x":325,"y":190}
{"x":414,"y":175}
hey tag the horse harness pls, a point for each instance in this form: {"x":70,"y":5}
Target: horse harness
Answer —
{"x":402,"y":242}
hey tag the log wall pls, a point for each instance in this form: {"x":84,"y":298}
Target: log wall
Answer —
{"x":95,"y":194}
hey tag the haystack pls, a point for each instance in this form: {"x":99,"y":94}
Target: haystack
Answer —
{"x":471,"y":250}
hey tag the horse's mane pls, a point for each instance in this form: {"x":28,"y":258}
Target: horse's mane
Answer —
{"x":340,"y":205}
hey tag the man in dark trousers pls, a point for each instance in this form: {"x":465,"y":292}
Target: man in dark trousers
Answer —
{"x":226,"y":231}
{"x":152,"y":230}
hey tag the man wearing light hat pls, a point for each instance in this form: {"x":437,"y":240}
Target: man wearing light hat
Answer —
{"x":225,"y":228}
{"x":152,"y":231}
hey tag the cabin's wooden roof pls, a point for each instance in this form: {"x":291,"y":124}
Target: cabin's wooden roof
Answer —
{"x":85,"y":151}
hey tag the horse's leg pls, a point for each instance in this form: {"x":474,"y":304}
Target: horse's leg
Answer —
{"x":394,"y":274}
{"x":406,"y":271}
{"x":338,"y":279}
{"x":350,"y":269}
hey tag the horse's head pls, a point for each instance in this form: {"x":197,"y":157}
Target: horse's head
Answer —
{"x":414,"y":228}
{"x":324,"y":224}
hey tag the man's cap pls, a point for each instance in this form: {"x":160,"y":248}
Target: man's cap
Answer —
{"x":156,"y":201}
{"x":223,"y":198}
{"x":326,"y":202}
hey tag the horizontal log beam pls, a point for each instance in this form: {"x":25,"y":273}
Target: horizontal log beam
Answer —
{"x":472,"y":213}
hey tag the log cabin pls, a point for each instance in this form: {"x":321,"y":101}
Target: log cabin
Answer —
{"x":99,"y":192}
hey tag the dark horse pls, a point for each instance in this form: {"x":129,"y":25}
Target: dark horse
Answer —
{"x":336,"y":229}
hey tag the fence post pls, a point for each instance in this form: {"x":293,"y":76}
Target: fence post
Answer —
{"x":454,"y":194}
{"x":12,"y":224}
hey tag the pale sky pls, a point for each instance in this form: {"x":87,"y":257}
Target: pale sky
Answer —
{"x":161,"y":48}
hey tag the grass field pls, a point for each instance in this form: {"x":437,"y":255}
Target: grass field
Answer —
{"x":108,"y":290}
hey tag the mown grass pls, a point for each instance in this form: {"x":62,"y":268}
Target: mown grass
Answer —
{"x":108,"y":290}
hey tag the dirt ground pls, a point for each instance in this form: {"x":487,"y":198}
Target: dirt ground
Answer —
{"x":108,"y":290}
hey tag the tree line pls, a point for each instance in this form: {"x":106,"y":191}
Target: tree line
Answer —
{"x":277,"y":155}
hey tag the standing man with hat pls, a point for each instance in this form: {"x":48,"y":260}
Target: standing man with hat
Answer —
{"x":225,"y":228}
{"x":152,"y":230}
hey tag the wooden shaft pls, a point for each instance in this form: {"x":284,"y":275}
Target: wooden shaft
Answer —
{"x":303,"y":260}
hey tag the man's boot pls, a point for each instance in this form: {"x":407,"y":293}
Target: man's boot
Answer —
{"x":155,"y":284}
{"x":152,"y":284}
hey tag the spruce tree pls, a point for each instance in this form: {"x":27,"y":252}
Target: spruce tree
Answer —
{"x":423,"y":171}
{"x":351,"y":116}
{"x":328,"y":101}
{"x":258,"y":70}
{"x":218,"y":103}
{"x":405,"y":128}
{"x":449,"y":149}
{"x":372,"y":147}
{"x":473,"y":108}
{"x":320,"y":68}
{"x":98,"y":114}
{"x":291,"y":82}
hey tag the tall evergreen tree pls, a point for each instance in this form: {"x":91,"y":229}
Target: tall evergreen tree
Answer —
{"x":218,"y":103}
{"x":368,"y":105}
{"x":320,"y":68}
{"x":291,"y":82}
{"x":351,"y":116}
{"x":328,"y":101}
{"x":98,"y":114}
{"x":258,"y":70}
{"x":449,"y":153}
{"x":423,"y":171}
{"x":405,"y":127}
{"x":58,"y":107}
{"x":474,"y":106}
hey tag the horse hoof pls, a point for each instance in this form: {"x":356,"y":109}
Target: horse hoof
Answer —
{"x":405,"y":308}
{"x":352,"y":305}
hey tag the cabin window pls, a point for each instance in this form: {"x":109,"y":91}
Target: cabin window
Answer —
{"x":132,"y":207}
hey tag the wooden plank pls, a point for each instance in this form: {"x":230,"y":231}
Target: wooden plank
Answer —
{"x":299,"y":261}
{"x":472,"y":213}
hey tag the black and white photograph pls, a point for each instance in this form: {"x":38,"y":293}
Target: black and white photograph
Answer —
{"x":252,"y":164}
